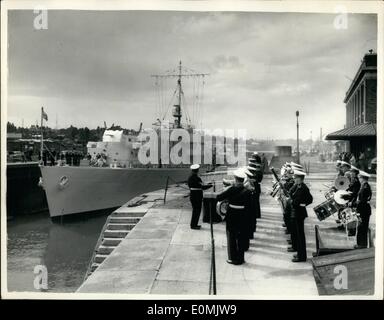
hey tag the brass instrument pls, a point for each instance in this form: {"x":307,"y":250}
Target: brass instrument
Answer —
{"x":275,"y":190}
{"x":341,"y":183}
{"x":222,"y":208}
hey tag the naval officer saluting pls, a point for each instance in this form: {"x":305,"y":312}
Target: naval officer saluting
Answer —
{"x":196,"y":188}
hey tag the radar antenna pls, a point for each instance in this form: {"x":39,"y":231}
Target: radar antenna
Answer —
{"x":178,"y":108}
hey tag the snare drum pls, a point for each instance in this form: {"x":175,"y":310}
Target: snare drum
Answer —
{"x":350,"y":218}
{"x":329,"y":194}
{"x":326,"y":209}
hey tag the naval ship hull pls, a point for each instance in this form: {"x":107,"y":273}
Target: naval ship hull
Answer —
{"x":72,"y":190}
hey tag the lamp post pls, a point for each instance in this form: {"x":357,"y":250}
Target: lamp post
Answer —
{"x":297,"y":138}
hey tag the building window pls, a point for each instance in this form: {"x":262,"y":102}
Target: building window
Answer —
{"x":362,"y":103}
{"x":358,"y":106}
{"x":349,"y":113}
{"x":353,"y":110}
{"x":357,"y":109}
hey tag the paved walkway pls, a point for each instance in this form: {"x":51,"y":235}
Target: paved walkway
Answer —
{"x":162,"y":255}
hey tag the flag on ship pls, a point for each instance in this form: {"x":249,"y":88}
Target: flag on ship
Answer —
{"x":44,"y":115}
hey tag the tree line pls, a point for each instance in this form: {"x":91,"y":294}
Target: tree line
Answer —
{"x":78,"y":135}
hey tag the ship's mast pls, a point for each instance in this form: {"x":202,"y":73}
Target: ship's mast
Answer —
{"x":177,"y":113}
{"x":177,"y":109}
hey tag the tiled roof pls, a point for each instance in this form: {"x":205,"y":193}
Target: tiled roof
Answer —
{"x":361,"y":130}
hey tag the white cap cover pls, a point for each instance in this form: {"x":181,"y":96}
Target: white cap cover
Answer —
{"x":294,"y":164}
{"x":247,"y":172}
{"x":299,"y":173}
{"x":195,"y":166}
{"x":239,"y":173}
{"x":343,"y":163}
{"x":364,"y":174}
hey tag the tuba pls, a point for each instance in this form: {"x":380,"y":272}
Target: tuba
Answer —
{"x":341,"y":183}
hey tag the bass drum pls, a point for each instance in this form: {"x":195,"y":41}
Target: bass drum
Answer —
{"x":222,"y":208}
{"x":338,"y":197}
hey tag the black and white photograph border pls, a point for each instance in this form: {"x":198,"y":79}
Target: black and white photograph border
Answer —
{"x":192,"y":149}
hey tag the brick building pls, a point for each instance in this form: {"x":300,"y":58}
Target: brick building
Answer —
{"x":361,"y":112}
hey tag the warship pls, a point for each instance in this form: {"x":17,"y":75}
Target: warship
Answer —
{"x":112,"y":174}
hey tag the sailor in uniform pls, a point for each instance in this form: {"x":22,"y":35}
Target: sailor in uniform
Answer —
{"x":353,"y":189}
{"x":338,"y":169}
{"x":293,"y":167}
{"x":288,"y":180}
{"x":258,"y":177}
{"x":344,"y":167}
{"x":296,"y":166}
{"x":236,"y":218}
{"x":196,"y":188}
{"x":256,"y":194}
{"x":288,"y":183}
{"x":256,"y":157}
{"x":363,"y":207}
{"x":300,"y":197}
{"x":249,"y":184}
{"x":354,"y":186}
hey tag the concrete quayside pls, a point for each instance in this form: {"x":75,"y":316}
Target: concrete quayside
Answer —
{"x":147,"y":247}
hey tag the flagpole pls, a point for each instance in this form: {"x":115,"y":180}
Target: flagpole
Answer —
{"x":42,"y":143}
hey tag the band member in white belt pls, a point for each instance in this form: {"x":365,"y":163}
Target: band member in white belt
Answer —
{"x":250,"y":184}
{"x":196,"y":188}
{"x":255,"y":168}
{"x":300,"y":197}
{"x":363,"y":207}
{"x":236,"y":218}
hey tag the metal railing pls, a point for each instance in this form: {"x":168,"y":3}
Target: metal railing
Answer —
{"x":212,"y":277}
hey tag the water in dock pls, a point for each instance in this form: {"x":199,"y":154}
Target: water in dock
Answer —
{"x":65,"y":248}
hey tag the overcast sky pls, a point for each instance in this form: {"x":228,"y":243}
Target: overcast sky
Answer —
{"x":89,"y":67}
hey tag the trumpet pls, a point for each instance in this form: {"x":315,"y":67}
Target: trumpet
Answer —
{"x":275,"y":190}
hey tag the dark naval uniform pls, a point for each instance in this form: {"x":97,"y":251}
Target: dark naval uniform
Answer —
{"x":301,"y":197}
{"x":238,"y":197}
{"x":364,"y":209}
{"x":288,"y":184}
{"x":251,"y":214}
{"x":258,"y":177}
{"x":354,"y":187}
{"x":196,"y":187}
